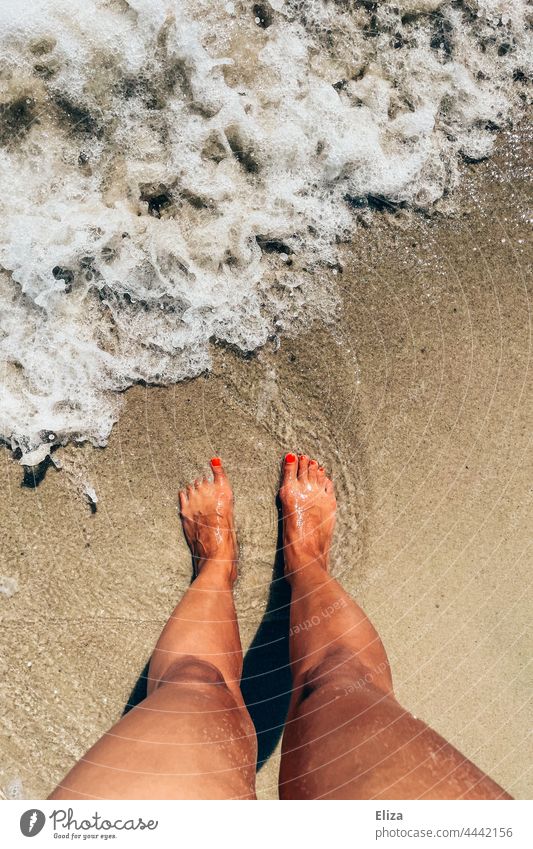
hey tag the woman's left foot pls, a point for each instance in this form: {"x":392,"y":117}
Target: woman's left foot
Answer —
{"x":206,"y":509}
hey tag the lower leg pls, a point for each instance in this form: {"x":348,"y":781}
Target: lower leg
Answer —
{"x":203,"y":625}
{"x":346,"y":736}
{"x":192,"y":737}
{"x":325,"y":618}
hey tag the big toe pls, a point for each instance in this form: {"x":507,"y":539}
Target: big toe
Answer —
{"x":218,"y":470}
{"x":290,"y":467}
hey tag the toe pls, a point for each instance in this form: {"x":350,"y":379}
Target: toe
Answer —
{"x":312,"y":471}
{"x":303,"y":465}
{"x":290,"y":467}
{"x":330,"y":489}
{"x":321,"y":474}
{"x":218,"y":469}
{"x":189,"y":490}
{"x":197,"y":483}
{"x":183,"y":499}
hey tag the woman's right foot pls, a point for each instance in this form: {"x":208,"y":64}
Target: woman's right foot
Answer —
{"x":308,"y":506}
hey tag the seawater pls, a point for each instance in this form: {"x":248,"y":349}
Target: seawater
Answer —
{"x":174,"y":174}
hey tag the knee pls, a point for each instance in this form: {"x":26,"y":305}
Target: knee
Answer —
{"x":200,"y":688}
{"x":192,"y":670}
{"x":341,"y":673}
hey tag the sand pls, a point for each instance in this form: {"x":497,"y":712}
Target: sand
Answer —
{"x":418,"y":399}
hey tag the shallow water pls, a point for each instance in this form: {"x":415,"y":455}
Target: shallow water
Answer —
{"x":426,"y":434}
{"x":173,"y":174}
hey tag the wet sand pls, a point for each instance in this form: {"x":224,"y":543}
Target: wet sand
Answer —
{"x":418,"y":399}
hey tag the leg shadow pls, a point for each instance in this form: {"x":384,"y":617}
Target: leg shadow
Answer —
{"x":139,"y":691}
{"x":266,"y":677}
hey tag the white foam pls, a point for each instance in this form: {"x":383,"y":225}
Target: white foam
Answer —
{"x":8,"y":586}
{"x":174,"y":173}
{"x":14,"y":789}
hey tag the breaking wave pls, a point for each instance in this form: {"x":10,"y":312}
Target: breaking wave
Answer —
{"x":173,"y":174}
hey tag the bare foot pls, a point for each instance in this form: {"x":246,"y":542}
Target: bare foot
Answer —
{"x":308,"y":506}
{"x":206,"y":509}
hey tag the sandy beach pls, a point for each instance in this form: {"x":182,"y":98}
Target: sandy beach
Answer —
{"x":417,"y":398}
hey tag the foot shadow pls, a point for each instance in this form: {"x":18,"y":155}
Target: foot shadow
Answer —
{"x":266,"y":676}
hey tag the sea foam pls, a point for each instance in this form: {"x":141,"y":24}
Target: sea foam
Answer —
{"x":174,"y":174}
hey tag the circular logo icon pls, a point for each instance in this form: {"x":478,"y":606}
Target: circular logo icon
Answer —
{"x":32,"y":822}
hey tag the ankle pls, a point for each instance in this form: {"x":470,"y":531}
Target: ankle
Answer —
{"x":302,"y":576}
{"x":217,"y":574}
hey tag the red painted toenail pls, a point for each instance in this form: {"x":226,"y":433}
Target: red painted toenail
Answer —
{"x":216,"y":461}
{"x":290,"y":458}
{"x":313,"y":463}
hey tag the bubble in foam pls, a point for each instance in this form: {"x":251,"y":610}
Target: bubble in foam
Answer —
{"x":174,"y":174}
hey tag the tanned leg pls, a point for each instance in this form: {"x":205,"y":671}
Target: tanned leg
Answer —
{"x":192,"y":737}
{"x":346,"y":736}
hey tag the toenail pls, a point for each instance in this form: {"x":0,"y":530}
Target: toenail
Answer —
{"x":290,"y":458}
{"x":215,"y":461}
{"x":312,"y":463}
